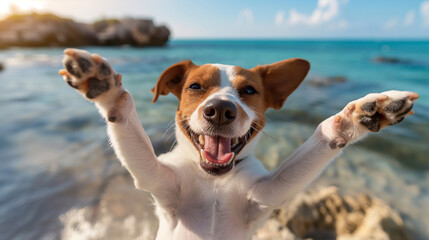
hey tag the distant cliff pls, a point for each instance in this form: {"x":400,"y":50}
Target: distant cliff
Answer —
{"x":42,"y":30}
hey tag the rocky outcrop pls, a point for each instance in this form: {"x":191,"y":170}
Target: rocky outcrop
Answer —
{"x":136,"y":32}
{"x":325,"y":81}
{"x":40,"y":30}
{"x":391,"y":60}
{"x":326,"y":214}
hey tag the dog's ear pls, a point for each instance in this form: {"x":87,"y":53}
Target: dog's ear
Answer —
{"x":172,"y":79}
{"x":280,"y":79}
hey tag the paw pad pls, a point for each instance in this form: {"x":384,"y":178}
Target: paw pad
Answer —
{"x":338,"y":142}
{"x":84,"y":64}
{"x":96,"y":87}
{"x":89,"y":74}
{"x":395,"y":106}
{"x":368,"y":107}
{"x":72,"y":68}
{"x":371,"y":122}
{"x":104,"y":70}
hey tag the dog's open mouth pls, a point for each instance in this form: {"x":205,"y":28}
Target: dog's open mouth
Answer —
{"x":218,"y":153}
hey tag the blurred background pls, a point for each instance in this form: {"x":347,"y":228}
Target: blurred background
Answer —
{"x":59,"y":179}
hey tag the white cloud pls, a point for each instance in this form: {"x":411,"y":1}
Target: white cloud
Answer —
{"x":409,"y":18}
{"x":391,"y":23}
{"x":245,"y":16}
{"x":279,"y":17}
{"x":325,"y":11}
{"x":397,"y":22}
{"x":342,"y":24}
{"x":424,"y":12}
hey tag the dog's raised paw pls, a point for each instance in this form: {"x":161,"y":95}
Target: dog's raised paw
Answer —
{"x":89,"y":73}
{"x":379,"y":110}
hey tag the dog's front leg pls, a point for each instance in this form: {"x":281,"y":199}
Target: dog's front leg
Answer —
{"x":368,"y":114}
{"x":93,"y":77}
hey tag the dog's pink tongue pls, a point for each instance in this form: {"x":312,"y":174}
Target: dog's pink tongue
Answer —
{"x":217,"y":149}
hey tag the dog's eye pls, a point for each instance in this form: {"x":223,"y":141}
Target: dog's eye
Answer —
{"x":195,"y":86}
{"x":249,"y":90}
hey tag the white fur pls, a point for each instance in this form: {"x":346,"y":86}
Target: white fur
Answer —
{"x":227,"y":74}
{"x":191,"y":204}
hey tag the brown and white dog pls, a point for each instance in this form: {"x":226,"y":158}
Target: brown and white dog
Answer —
{"x":210,"y":186}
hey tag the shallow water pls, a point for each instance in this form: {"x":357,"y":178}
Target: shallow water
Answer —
{"x":59,"y":178}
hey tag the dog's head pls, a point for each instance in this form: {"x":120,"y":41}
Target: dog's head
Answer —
{"x":221,"y":107}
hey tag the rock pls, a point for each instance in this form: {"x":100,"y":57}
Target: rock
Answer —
{"x":325,"y":214}
{"x":391,"y":60}
{"x":1,"y":67}
{"x":273,"y":230}
{"x":325,"y":81}
{"x":41,"y":30}
{"x":136,"y":32}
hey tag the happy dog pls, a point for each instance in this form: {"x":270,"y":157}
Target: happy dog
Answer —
{"x":210,"y":186}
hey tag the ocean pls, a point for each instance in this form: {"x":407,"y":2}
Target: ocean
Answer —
{"x":60,"y":179}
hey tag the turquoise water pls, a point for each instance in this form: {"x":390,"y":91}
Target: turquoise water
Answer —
{"x":59,"y":178}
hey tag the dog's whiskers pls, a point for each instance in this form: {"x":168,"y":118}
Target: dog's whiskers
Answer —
{"x":186,"y":125}
{"x":176,"y":122}
{"x":168,"y":128}
{"x":262,"y":130}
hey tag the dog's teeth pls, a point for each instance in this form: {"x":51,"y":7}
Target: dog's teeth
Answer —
{"x":201,"y":139}
{"x":203,"y":157}
{"x":232,"y":157}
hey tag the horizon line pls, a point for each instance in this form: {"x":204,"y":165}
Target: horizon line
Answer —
{"x":302,"y":38}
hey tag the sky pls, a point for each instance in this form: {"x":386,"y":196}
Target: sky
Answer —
{"x":367,"y":19}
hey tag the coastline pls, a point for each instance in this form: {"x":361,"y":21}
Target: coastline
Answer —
{"x":44,"y":30}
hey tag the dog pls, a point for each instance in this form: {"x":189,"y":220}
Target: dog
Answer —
{"x":211,"y":186}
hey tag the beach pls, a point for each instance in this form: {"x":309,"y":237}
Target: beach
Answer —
{"x":60,"y":178}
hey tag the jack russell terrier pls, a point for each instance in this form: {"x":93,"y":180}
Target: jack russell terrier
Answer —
{"x":211,"y":186}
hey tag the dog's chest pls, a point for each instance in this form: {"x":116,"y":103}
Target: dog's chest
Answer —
{"x":213,"y":202}
{"x":210,"y":209}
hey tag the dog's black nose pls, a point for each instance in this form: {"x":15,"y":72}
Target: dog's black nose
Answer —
{"x":219,"y":111}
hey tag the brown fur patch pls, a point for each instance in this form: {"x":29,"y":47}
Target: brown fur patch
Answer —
{"x":173,"y":79}
{"x":256,"y":102}
{"x":280,"y":79}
